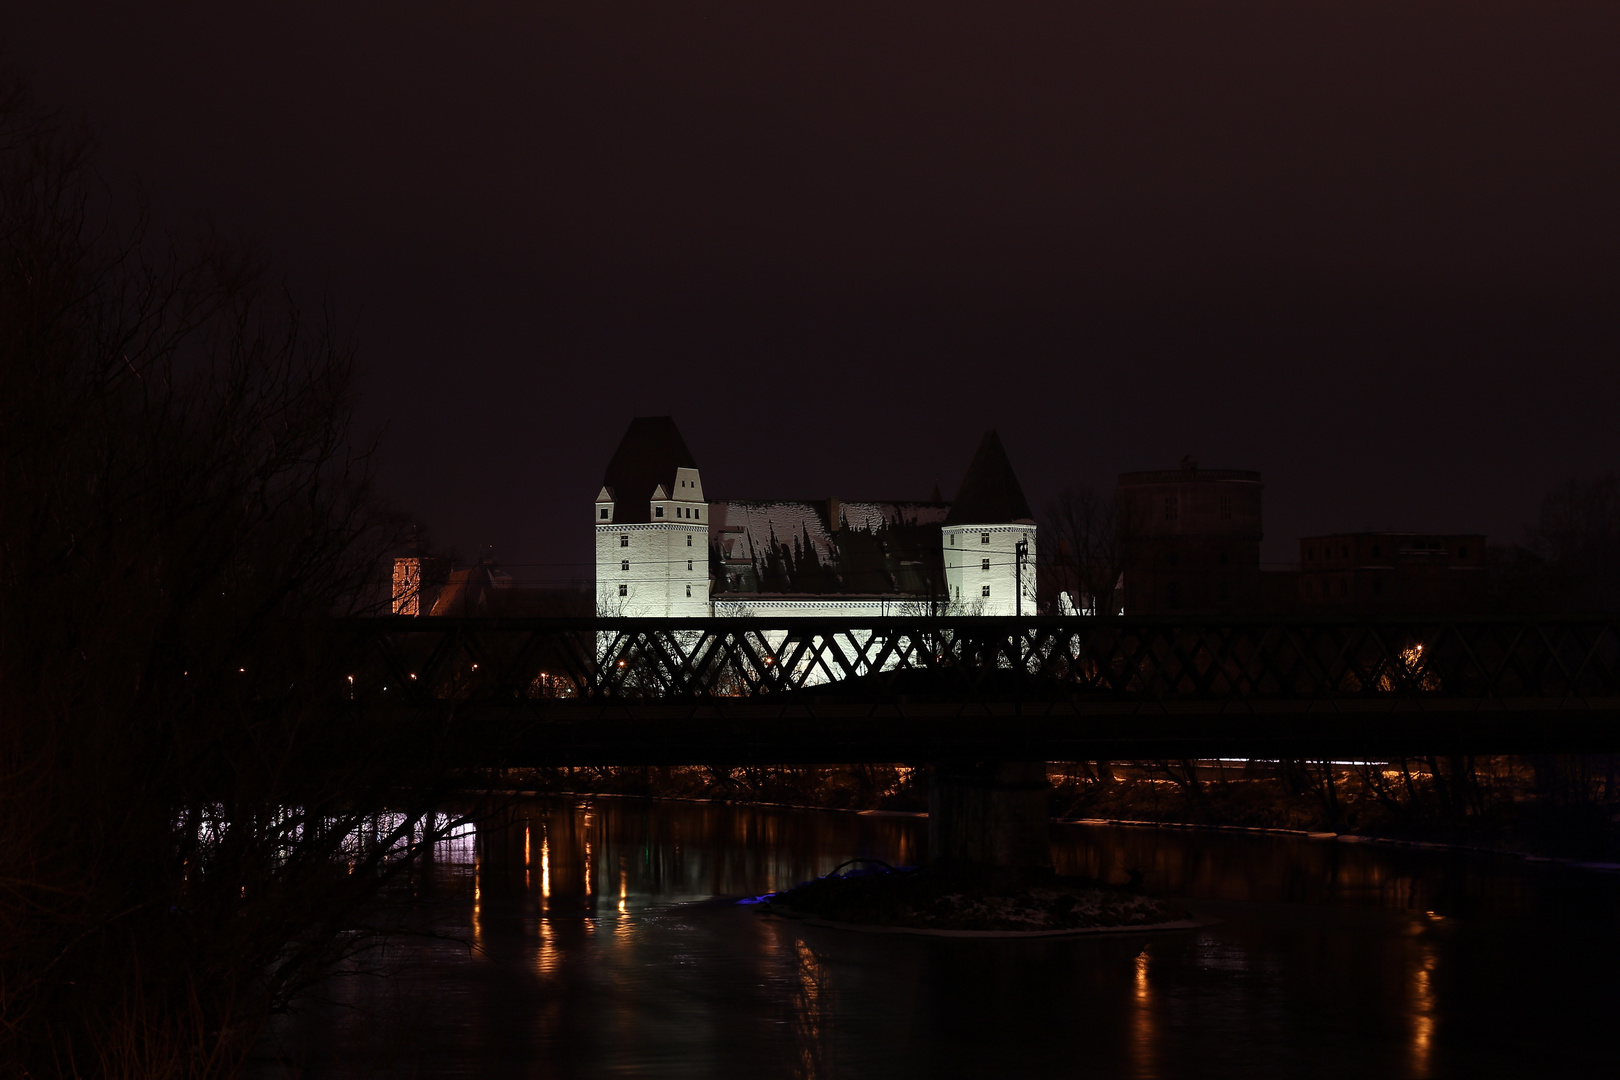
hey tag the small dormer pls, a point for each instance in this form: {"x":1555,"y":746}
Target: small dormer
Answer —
{"x":604,"y":506}
{"x":688,"y":485}
{"x":661,"y":505}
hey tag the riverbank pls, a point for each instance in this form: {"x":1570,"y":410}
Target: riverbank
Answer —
{"x":1556,"y":808}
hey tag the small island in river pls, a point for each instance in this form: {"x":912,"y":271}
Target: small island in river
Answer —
{"x":931,"y":900}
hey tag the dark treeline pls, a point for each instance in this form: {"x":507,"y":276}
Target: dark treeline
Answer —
{"x":188,"y":835}
{"x":1569,"y":560}
{"x":1556,"y":805}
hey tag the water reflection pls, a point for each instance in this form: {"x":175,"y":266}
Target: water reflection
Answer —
{"x":1143,"y":1033}
{"x":588,"y":946}
{"x":805,"y":1016}
{"x":1422,"y":1006}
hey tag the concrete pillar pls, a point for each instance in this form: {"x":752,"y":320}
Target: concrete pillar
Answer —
{"x":989,"y":815}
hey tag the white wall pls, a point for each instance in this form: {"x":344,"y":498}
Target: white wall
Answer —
{"x":965,"y":576}
{"x":818,"y":606}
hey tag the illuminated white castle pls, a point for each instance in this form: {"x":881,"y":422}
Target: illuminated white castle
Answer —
{"x":663,"y":549}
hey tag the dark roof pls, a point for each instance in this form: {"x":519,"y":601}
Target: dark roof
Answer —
{"x":989,"y":493}
{"x":648,"y":455}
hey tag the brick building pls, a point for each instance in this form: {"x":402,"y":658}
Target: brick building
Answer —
{"x":1388,"y":573}
{"x":1190,"y":540}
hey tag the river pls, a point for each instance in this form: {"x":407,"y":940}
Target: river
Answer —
{"x":601,"y":938}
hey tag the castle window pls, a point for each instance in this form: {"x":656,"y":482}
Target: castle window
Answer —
{"x":985,"y":591}
{"x":1378,"y":586}
{"x":624,"y":564}
{"x":984,"y":538}
{"x":1170,"y":508}
{"x":603,"y":513}
{"x":624,"y":590}
{"x":688,"y":539}
{"x":658,"y":511}
{"x":689,"y":588}
{"x":689,"y":566}
{"x":1462,"y":553}
{"x":953,"y":539}
{"x":1375,"y":551}
{"x":984,"y":564}
{"x":1226,"y":507}
{"x":624,"y":541}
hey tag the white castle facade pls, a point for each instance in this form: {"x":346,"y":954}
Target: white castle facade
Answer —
{"x":663,"y":550}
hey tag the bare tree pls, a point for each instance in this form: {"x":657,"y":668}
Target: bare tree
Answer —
{"x":1081,"y":549}
{"x":187,"y":837}
{"x":1570,"y":558}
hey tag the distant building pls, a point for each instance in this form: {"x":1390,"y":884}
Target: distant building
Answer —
{"x":430,"y":586}
{"x":418,"y":579}
{"x":663,"y":549}
{"x":1389,"y":573}
{"x":1190,"y":540}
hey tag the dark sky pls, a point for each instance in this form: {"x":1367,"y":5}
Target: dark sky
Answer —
{"x":1369,"y":248}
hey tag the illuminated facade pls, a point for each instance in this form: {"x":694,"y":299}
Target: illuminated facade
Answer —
{"x":662,"y":549}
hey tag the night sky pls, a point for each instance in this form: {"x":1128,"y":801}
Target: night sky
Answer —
{"x":1371,"y":249}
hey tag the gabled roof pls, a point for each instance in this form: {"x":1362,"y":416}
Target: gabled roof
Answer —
{"x":990,"y":493}
{"x":647,"y":457}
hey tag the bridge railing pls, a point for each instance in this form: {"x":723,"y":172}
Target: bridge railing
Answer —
{"x":1566,"y":662}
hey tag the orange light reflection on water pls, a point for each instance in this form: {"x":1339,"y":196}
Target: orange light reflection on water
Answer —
{"x":1423,"y":1007}
{"x":810,"y":1053}
{"x":477,"y":911}
{"x":1144,"y":1029}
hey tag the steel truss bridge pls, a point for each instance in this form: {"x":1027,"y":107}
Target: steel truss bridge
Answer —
{"x":807,"y":690}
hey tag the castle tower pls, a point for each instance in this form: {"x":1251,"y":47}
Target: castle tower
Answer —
{"x":981,"y":535}
{"x":652,"y":526}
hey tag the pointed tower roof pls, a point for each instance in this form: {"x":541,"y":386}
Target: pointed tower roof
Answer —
{"x":647,"y":457}
{"x":990,"y":493}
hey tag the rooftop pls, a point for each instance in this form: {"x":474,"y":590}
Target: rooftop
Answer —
{"x":990,"y":491}
{"x":648,"y":455}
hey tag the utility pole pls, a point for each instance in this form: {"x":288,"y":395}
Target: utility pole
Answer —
{"x":1021,"y":549}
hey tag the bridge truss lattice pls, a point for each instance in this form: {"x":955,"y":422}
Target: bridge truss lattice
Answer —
{"x":1100,"y":662}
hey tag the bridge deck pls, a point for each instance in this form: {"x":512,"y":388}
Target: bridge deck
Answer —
{"x":628,"y":691}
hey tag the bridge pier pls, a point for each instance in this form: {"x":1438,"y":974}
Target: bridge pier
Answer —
{"x":990,"y":815}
